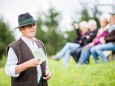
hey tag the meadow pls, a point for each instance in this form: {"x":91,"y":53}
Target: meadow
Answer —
{"x":72,"y":75}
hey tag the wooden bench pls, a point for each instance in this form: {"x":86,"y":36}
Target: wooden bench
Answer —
{"x":111,"y":57}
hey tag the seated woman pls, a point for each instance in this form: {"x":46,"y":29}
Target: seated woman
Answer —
{"x":108,"y":43}
{"x":71,"y":47}
{"x":86,"y":50}
{"x":88,"y":38}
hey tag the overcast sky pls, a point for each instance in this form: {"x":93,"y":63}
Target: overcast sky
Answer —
{"x":10,"y":9}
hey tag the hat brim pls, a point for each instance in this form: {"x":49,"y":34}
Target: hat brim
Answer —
{"x":26,"y":24}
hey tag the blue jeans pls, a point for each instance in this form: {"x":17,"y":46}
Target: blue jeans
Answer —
{"x":84,"y":56}
{"x":98,"y":51}
{"x":66,"y":51}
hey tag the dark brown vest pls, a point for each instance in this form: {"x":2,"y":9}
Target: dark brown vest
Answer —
{"x":29,"y":76}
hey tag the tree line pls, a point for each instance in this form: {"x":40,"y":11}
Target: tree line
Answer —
{"x":47,"y":30}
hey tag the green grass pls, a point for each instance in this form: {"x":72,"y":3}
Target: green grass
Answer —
{"x":2,"y":62}
{"x":86,"y":75}
{"x":4,"y":80}
{"x":72,"y":75}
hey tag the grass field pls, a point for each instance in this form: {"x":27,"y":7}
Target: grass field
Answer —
{"x":86,"y":75}
{"x":72,"y":75}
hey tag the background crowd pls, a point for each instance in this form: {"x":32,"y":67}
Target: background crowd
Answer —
{"x":90,"y":40}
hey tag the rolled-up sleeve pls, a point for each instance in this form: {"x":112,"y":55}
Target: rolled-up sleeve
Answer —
{"x":11,"y":63}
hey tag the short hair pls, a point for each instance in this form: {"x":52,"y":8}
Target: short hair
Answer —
{"x":105,"y":16}
{"x":83,"y":24}
{"x":92,"y":22}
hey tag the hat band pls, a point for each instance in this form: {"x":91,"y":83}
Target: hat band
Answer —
{"x":26,"y":21}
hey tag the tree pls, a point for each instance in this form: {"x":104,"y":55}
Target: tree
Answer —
{"x":48,"y":31}
{"x":6,"y":37}
{"x":89,"y":11}
{"x":85,"y":15}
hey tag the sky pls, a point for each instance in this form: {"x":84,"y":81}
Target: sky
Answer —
{"x":10,"y":9}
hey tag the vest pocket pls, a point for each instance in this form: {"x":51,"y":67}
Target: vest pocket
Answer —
{"x":21,"y":84}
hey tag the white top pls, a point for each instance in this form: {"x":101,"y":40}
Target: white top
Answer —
{"x":12,"y":59}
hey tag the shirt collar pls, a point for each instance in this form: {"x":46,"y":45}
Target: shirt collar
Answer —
{"x":25,"y":39}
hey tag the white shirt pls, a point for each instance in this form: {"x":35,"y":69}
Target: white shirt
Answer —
{"x":12,"y":59}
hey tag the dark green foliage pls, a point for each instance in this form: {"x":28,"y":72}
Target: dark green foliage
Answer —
{"x":95,"y":13}
{"x":6,"y":37}
{"x":71,"y":35}
{"x":52,"y":38}
{"x":49,"y":33}
{"x":85,"y":15}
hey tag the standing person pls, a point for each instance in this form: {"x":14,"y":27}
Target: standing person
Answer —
{"x":24,"y":68}
{"x":71,"y":47}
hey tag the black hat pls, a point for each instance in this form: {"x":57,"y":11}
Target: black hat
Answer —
{"x":25,"y":19}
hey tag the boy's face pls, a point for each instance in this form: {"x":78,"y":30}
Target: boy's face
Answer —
{"x":28,"y":31}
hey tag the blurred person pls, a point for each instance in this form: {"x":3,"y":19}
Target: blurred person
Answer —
{"x":85,"y":54}
{"x":107,"y":16}
{"x":107,"y":43}
{"x":22,"y":66}
{"x":78,"y":33}
{"x":71,"y":47}
{"x":88,"y":38}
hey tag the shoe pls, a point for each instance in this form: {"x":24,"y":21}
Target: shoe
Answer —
{"x":55,"y":58}
{"x":78,"y":65}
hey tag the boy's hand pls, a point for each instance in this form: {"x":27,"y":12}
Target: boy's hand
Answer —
{"x":47,"y":74}
{"x":33,"y":62}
